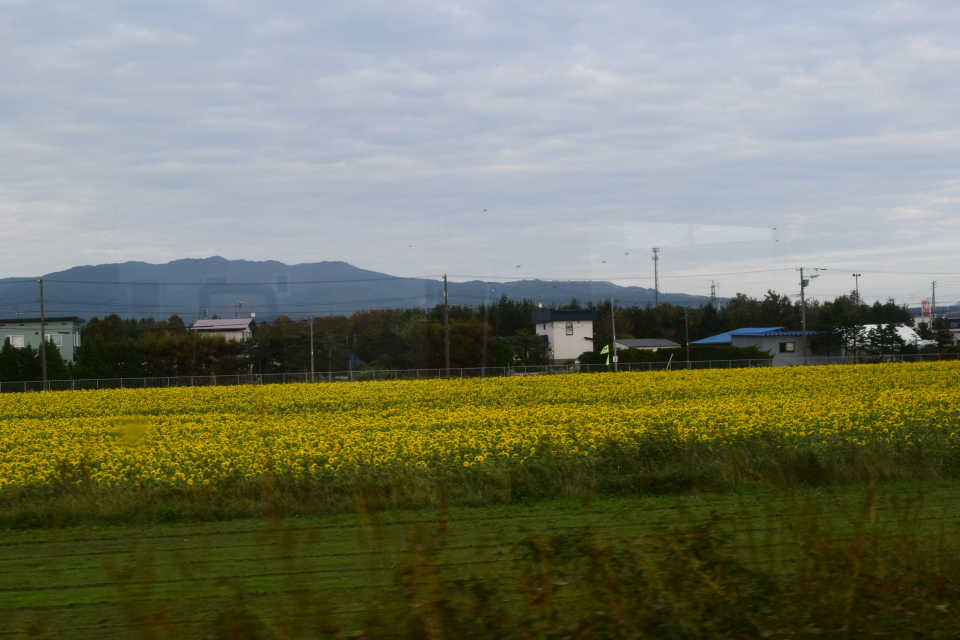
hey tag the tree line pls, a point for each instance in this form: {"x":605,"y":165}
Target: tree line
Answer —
{"x":497,"y":334}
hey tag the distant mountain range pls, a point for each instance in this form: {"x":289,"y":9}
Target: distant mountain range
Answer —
{"x":193,"y":288}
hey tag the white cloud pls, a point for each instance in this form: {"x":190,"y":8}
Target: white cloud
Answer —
{"x":303,"y":132}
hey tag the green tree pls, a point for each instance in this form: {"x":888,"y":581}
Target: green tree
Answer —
{"x":884,"y":340}
{"x":503,"y":354}
{"x":742,"y":311}
{"x":942,"y":334}
{"x":709,"y":322}
{"x":92,"y":359}
{"x":529,"y":348}
{"x":889,"y":313}
{"x":29,"y":366}
{"x":777,"y":310}
{"x":9,"y":364}
{"x":57,"y":368}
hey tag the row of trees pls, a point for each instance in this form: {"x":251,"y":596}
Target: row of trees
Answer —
{"x":497,"y":334}
{"x":26,"y":363}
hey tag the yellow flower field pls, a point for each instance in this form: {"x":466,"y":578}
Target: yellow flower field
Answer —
{"x":186,"y":436}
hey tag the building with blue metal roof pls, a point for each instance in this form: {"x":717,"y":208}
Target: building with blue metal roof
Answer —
{"x":786,"y":346}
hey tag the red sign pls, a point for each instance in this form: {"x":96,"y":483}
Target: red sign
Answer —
{"x":926,"y":308}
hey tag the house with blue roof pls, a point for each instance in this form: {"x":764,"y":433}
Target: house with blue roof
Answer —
{"x":786,"y":346}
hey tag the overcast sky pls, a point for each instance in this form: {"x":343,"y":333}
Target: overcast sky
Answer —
{"x":492,"y":138}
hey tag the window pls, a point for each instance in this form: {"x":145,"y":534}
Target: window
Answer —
{"x":16,"y":341}
{"x":57,"y":339}
{"x":788,"y":347}
{"x":569,"y":328}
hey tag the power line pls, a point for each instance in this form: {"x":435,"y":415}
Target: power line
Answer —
{"x":491,"y":278}
{"x":224,"y":284}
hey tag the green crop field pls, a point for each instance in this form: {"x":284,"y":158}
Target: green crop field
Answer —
{"x":289,"y":578}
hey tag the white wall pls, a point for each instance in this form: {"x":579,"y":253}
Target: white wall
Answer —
{"x":564,"y":347}
{"x":772,"y":344}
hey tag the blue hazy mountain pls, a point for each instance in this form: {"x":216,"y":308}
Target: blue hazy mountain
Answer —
{"x":192,"y":288}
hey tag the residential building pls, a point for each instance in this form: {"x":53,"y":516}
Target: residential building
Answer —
{"x":232,"y":329}
{"x":63,"y":331}
{"x":952,"y":321}
{"x":786,"y":346}
{"x":568,"y":332}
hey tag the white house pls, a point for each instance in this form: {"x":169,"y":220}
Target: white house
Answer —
{"x":569,"y":333}
{"x":232,"y":330}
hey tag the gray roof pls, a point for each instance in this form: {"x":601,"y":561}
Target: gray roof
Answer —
{"x":647,"y":343}
{"x":541,"y":316}
{"x":37,"y":320}
{"x":226,"y":324}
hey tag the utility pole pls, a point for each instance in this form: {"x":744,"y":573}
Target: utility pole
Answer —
{"x":330,"y":357}
{"x":312,"y":376}
{"x":656,"y":276}
{"x":446,"y":326}
{"x":486,"y":325}
{"x":934,"y":300}
{"x":804,"y":283}
{"x":856,"y":281}
{"x":613,"y":325}
{"x":43,"y":338}
{"x":686,"y":333}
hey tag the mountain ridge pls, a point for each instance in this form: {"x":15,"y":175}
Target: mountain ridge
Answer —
{"x":195,"y":287}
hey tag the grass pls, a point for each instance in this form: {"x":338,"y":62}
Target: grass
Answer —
{"x":381,"y":571}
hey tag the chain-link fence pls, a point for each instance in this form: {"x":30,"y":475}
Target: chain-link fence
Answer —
{"x":424,"y":374}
